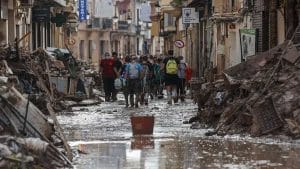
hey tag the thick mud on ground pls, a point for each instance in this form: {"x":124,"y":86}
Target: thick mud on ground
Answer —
{"x":104,"y":133}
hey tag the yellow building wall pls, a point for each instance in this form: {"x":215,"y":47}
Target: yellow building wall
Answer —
{"x":165,"y":2}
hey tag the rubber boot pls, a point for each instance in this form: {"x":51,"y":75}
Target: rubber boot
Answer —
{"x":131,"y":100}
{"x":169,"y":96}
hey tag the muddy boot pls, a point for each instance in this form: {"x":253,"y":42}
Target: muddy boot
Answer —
{"x":151,"y":96}
{"x":107,"y":98}
{"x":175,"y":99}
{"x":131,"y":100}
{"x":142,"y":99}
{"x":126,"y":101}
{"x":169,"y":96}
{"x":182,"y":98}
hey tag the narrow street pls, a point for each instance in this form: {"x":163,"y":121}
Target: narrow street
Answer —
{"x":103,"y":135}
{"x":234,"y":64}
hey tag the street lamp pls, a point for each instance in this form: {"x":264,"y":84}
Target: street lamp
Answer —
{"x":129,"y":19}
{"x":115,"y":18}
{"x":140,"y":22}
{"x":157,"y":8}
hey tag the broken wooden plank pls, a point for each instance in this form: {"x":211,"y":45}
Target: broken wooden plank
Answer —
{"x":60,"y":131}
{"x":291,"y":55}
{"x":267,"y":118}
{"x":35,"y":117}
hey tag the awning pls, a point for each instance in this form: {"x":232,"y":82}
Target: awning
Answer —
{"x":50,"y":3}
{"x":198,"y":3}
{"x":60,"y":2}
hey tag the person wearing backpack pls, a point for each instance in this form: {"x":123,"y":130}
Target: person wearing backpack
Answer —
{"x":125,"y":86}
{"x":171,"y":77}
{"x":147,"y":74}
{"x":182,"y":78}
{"x":133,"y":76}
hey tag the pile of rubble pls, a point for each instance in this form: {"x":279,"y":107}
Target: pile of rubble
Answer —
{"x":33,"y":86}
{"x":259,"y":96}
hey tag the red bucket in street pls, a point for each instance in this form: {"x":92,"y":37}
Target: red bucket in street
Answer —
{"x":142,"y":125}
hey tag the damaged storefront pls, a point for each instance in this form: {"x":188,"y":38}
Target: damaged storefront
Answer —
{"x":33,"y":87}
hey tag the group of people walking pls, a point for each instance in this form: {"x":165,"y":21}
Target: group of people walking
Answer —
{"x":143,"y":78}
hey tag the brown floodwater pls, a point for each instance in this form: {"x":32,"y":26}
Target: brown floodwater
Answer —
{"x":104,"y":134}
{"x":188,"y":153}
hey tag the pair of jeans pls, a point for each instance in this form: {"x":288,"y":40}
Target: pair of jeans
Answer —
{"x":109,"y":87}
{"x":134,"y":88}
{"x":181,"y":87}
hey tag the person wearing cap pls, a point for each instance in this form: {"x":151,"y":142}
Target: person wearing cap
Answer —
{"x":108,"y":75}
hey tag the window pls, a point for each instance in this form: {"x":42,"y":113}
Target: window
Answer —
{"x":90,"y":49}
{"x":18,"y":31}
{"x":81,"y":49}
{"x":101,"y":47}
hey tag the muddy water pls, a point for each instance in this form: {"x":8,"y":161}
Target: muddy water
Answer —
{"x":188,"y":154}
{"x":104,"y":133}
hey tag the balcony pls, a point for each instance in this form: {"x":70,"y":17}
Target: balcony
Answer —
{"x":99,"y":24}
{"x":172,"y":7}
{"x":123,"y":25}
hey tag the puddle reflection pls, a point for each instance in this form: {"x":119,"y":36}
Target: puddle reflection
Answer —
{"x":147,"y":153}
{"x":142,"y":142}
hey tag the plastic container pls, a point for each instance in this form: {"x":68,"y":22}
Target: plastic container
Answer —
{"x":142,"y":125}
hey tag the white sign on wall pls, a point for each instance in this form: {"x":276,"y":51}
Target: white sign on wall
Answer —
{"x":189,"y":15}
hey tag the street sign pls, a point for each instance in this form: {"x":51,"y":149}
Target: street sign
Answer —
{"x":189,"y":15}
{"x":179,"y":43}
{"x":82,"y":7}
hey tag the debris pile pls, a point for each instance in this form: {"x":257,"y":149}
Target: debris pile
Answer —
{"x":259,"y":96}
{"x":19,"y":152}
{"x":33,"y":86}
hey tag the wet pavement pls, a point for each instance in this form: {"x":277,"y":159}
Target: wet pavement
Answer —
{"x":104,"y":133}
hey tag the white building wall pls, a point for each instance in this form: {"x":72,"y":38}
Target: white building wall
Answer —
{"x":104,"y":8}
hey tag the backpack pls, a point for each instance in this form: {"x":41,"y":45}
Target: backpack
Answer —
{"x":172,"y":67}
{"x":133,"y":71}
{"x":157,"y":72}
{"x":188,"y":73}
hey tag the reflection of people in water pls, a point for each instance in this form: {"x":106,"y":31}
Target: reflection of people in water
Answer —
{"x":245,"y":46}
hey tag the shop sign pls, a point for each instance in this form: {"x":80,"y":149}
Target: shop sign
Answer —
{"x":40,"y":14}
{"x":82,"y":7}
{"x":248,"y":42}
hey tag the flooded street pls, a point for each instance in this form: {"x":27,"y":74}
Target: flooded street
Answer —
{"x":103,"y":133}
